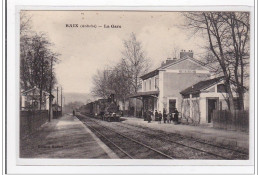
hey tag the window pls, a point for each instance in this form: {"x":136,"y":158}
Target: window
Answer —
{"x":150,"y":84}
{"x":221,"y":88}
{"x":156,"y":83}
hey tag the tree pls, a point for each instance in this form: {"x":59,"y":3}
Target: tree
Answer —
{"x":101,"y":84}
{"x":238,"y":23}
{"x":134,"y":63}
{"x":123,"y":78}
{"x":227,"y":34}
{"x":121,"y":82}
{"x":36,"y":58}
{"x":112,"y":80}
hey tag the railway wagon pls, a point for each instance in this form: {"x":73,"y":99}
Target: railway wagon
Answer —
{"x":99,"y":107}
{"x":105,"y":109}
{"x":86,"y":109}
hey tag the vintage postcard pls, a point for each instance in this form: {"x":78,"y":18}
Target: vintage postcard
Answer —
{"x":143,"y":85}
{"x":134,"y":85}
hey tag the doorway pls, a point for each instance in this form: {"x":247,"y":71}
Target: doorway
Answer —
{"x":172,"y":105}
{"x":212,"y":104}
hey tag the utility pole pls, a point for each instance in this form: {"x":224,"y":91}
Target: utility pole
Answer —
{"x":50,"y":94}
{"x":61,"y":100}
{"x":57,"y":96}
{"x":64,"y":102}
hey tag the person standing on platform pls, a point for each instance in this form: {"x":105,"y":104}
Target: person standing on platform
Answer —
{"x":164,"y":115}
{"x":149,"y":116}
{"x":73,"y":112}
{"x":160,"y":117}
{"x":145,"y":115}
{"x":156,"y":115}
{"x":169,"y":118}
{"x":176,"y":116}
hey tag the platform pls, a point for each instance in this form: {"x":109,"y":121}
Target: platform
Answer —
{"x":66,"y":137}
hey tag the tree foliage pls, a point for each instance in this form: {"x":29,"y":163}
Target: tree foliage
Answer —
{"x":228,"y":37}
{"x":134,"y":61}
{"x":36,"y":58}
{"x":122,"y":79}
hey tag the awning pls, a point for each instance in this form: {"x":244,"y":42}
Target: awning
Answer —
{"x":144,"y":94}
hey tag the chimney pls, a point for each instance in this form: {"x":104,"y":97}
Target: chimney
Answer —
{"x":184,"y":53}
{"x":169,"y":61}
{"x":163,"y":64}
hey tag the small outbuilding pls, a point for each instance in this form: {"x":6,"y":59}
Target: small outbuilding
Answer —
{"x":202,"y":98}
{"x":30,"y":99}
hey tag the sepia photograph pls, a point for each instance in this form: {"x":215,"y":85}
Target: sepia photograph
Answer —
{"x":104,"y":84}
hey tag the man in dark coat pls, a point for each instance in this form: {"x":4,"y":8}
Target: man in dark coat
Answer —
{"x":73,"y":113}
{"x":145,"y":116}
{"x":164,"y":116}
{"x":176,"y":115}
{"x":149,"y":116}
{"x":160,"y":117}
{"x":156,"y":115}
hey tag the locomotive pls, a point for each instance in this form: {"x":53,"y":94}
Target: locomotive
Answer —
{"x":105,"y":109}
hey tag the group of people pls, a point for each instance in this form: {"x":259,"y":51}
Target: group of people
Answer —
{"x":167,"y":118}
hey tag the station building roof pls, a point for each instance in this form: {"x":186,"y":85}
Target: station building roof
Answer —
{"x":143,"y":94}
{"x":165,"y":66}
{"x":196,"y":88}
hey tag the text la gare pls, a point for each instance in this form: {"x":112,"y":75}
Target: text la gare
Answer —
{"x":111,"y":26}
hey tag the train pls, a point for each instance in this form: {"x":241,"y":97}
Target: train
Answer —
{"x":105,"y":109}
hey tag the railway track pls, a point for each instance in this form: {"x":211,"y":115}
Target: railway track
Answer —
{"x":183,"y":145}
{"x":214,"y":150}
{"x":195,"y":140}
{"x":125,"y":146}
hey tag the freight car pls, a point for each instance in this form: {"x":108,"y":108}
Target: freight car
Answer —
{"x":87,"y":109}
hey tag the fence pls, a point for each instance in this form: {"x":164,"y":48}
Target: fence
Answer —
{"x":56,"y":114}
{"x":30,"y":121}
{"x":224,"y":120}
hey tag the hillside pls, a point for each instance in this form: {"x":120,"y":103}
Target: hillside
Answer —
{"x":79,"y":97}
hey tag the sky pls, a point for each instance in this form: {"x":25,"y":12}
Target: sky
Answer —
{"x":84,"y":50}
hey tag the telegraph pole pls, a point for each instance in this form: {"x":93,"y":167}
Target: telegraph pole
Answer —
{"x":64,"y":102}
{"x":50,"y":96}
{"x":61,"y":100}
{"x":57,"y":96}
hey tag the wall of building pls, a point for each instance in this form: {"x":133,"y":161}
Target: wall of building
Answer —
{"x":150,"y":84}
{"x":161,"y":93}
{"x":174,"y":83}
{"x":186,"y":64}
{"x":246,"y":100}
{"x":203,"y":103}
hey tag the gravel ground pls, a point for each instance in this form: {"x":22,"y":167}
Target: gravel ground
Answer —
{"x":173,"y":144}
{"x":135,"y":150}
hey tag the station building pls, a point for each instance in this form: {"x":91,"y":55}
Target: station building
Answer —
{"x":186,"y":84}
